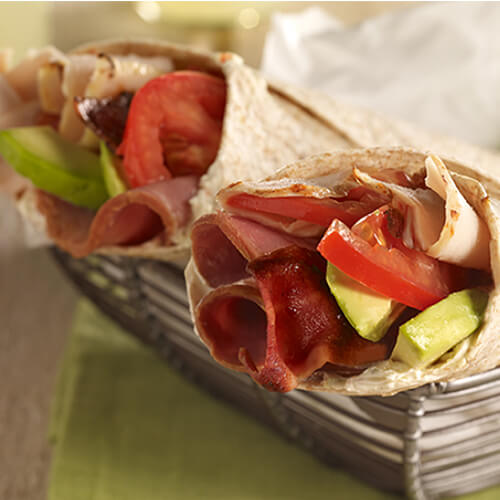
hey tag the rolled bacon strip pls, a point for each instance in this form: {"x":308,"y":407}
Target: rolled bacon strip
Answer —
{"x":285,"y":328}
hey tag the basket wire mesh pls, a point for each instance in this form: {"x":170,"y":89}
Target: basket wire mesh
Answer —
{"x":436,"y":441}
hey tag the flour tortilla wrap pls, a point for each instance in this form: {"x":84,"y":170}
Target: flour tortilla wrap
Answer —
{"x":262,"y":131}
{"x":266,"y":125}
{"x":211,"y":277}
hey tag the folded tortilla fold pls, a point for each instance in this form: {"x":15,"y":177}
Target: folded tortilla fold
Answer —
{"x":266,"y":125}
{"x":232,"y":292}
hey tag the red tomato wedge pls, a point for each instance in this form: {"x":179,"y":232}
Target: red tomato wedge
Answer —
{"x":173,"y":127}
{"x":373,"y":253}
{"x":359,"y":202}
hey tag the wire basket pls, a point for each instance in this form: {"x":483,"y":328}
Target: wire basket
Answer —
{"x":436,"y":441}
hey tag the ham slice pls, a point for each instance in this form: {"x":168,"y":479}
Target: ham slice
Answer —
{"x":131,"y":218}
{"x":301,"y":331}
{"x":222,"y":245}
{"x":302,"y":208}
{"x":231,"y":318}
{"x":320,"y":212}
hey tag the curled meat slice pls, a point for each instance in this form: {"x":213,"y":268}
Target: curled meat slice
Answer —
{"x":222,"y":245}
{"x":131,"y":218}
{"x":289,"y":329}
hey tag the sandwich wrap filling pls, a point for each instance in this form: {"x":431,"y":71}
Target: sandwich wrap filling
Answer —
{"x":257,"y":283}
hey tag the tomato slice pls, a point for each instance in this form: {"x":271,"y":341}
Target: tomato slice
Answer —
{"x":173,"y":127}
{"x":358,"y":202}
{"x":373,"y":253}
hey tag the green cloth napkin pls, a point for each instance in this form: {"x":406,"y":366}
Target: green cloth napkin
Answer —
{"x":127,"y":427}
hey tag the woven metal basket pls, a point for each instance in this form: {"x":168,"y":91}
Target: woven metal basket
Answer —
{"x":436,"y":441}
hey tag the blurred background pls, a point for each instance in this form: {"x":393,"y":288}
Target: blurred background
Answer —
{"x":237,"y":26}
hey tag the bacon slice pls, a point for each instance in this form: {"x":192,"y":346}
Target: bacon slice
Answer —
{"x":106,"y":117}
{"x":130,"y":218}
{"x":304,"y":330}
{"x":222,"y":245}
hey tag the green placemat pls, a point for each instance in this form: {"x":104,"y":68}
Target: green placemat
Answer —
{"x":127,"y":427}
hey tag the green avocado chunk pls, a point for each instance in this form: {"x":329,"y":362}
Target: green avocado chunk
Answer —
{"x":369,"y":313}
{"x":426,"y":337}
{"x":113,"y":181}
{"x":55,"y":165}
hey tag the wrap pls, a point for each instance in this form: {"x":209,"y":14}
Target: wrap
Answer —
{"x":265,"y":125}
{"x":261,"y":131}
{"x":256,"y":280}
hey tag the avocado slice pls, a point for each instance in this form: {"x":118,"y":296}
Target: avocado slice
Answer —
{"x":427,"y":336}
{"x":369,"y":313}
{"x":55,"y":165}
{"x":112,"y":179}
